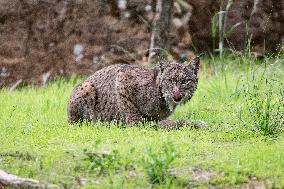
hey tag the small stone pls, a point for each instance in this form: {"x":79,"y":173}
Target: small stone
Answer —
{"x":199,"y":124}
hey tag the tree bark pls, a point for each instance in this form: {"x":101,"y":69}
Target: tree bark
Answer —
{"x":114,"y":8}
{"x":13,"y":181}
{"x":161,"y":25}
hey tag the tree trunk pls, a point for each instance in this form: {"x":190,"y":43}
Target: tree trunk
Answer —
{"x":114,"y":8}
{"x":161,"y":25}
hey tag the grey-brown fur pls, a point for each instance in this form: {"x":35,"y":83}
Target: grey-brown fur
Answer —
{"x":131,"y":93}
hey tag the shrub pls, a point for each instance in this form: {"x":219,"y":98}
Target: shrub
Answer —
{"x":156,"y":165}
{"x":102,"y":162}
{"x":264,"y":105}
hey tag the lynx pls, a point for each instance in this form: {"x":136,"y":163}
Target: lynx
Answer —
{"x":131,"y":94}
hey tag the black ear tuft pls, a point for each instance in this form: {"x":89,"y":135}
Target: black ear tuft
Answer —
{"x":195,"y":63}
{"x":163,"y":62}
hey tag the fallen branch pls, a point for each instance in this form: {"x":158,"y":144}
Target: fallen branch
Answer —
{"x":13,"y":181}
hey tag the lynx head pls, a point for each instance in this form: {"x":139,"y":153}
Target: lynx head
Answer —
{"x":178,"y":81}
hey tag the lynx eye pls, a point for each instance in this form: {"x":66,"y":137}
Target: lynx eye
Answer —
{"x":171,"y":80}
{"x":184,"y":82}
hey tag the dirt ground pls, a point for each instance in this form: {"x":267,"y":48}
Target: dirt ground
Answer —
{"x":41,"y":39}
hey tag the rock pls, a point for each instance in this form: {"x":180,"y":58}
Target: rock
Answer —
{"x":176,"y":124}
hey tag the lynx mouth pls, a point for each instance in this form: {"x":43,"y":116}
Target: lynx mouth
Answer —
{"x":183,"y":99}
{"x":178,"y":98}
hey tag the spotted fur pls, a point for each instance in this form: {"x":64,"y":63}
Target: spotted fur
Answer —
{"x":130,"y":93}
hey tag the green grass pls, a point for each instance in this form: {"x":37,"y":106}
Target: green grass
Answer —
{"x":37,"y":142}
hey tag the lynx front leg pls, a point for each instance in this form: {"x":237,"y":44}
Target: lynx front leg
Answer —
{"x":129,"y":113}
{"x":126,"y":96}
{"x":171,"y":124}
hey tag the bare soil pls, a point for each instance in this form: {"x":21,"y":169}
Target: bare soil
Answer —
{"x":41,"y":39}
{"x":38,"y":39}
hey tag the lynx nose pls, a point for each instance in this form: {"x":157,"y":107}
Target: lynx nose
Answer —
{"x":176,"y":94}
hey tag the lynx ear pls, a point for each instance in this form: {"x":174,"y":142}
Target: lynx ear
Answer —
{"x":195,"y":64}
{"x":163,"y":62}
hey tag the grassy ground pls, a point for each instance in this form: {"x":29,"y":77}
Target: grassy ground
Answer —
{"x":240,"y":99}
